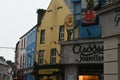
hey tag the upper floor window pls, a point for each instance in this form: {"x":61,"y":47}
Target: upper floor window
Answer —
{"x":23,"y":43}
{"x":31,"y":39}
{"x":34,"y":36}
{"x":53,"y":56}
{"x":41,"y":56}
{"x":42,"y":36}
{"x":61,"y":32}
{"x":49,"y":11}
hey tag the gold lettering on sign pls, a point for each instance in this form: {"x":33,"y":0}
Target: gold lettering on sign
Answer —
{"x":48,"y":71}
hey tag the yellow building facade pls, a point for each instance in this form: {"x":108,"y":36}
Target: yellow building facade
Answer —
{"x":51,"y":31}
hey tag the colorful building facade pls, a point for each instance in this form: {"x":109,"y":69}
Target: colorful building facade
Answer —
{"x":83,"y":56}
{"x":25,"y":52}
{"x":21,"y":56}
{"x":25,"y":55}
{"x":51,"y":31}
{"x":86,"y":20}
{"x":64,"y":20}
{"x":30,"y":53}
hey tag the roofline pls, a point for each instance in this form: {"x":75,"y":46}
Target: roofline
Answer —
{"x":29,"y":31}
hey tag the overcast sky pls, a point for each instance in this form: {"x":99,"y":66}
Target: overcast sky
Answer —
{"x":16,"y":18}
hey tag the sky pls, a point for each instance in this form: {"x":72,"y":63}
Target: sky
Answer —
{"x":16,"y":18}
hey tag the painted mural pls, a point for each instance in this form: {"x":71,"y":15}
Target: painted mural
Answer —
{"x":69,"y":26}
{"x":90,"y":24}
{"x":86,"y":21}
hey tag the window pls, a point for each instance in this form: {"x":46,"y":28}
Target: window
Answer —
{"x":61,"y":33}
{"x":53,"y":56}
{"x":49,"y":11}
{"x":34,"y":36}
{"x":41,"y":56}
{"x":30,"y":38}
{"x":59,"y":7}
{"x":42,"y":36}
{"x":77,"y":7}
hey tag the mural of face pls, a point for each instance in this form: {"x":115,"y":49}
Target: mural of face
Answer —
{"x":69,"y":25}
{"x":69,"y":22}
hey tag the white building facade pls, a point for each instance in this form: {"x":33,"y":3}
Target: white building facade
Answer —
{"x":110,"y":15}
{"x":5,"y":70}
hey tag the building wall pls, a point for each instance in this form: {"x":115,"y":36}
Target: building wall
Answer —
{"x":16,"y":56}
{"x":52,"y":20}
{"x":22,"y":51}
{"x":26,"y":49}
{"x":29,"y":55}
{"x":111,"y":63}
{"x":30,"y":47}
{"x":21,"y":56}
{"x":110,"y":33}
{"x":5,"y":73}
{"x":69,"y":5}
{"x":17,"y":60}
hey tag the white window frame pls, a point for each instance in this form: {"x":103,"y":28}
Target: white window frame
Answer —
{"x":53,"y":56}
{"x":41,"y":56}
{"x":42,"y":36}
{"x":61,"y":32}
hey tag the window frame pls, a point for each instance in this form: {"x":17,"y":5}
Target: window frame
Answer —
{"x":42,"y":36}
{"x":61,"y":32}
{"x":53,"y":56}
{"x":41,"y":57}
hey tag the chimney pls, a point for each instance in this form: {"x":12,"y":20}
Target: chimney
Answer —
{"x":40,"y":14}
{"x":2,"y":59}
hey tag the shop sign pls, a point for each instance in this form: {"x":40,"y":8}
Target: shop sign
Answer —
{"x":88,"y":52}
{"x":48,"y":71}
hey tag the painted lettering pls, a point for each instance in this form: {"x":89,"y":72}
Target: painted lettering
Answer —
{"x":90,"y":58}
{"x":87,"y":50}
{"x":90,"y":52}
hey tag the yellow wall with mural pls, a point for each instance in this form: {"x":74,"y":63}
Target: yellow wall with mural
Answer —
{"x":54,"y":18}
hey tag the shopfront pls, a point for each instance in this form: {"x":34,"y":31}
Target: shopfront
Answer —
{"x":88,"y":77}
{"x":51,"y":72}
{"x":83,"y":59}
{"x":90,"y":72}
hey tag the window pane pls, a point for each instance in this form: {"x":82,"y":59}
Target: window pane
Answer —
{"x":53,"y":56}
{"x":61,"y":32}
{"x":42,"y":37}
{"x":41,"y":56}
